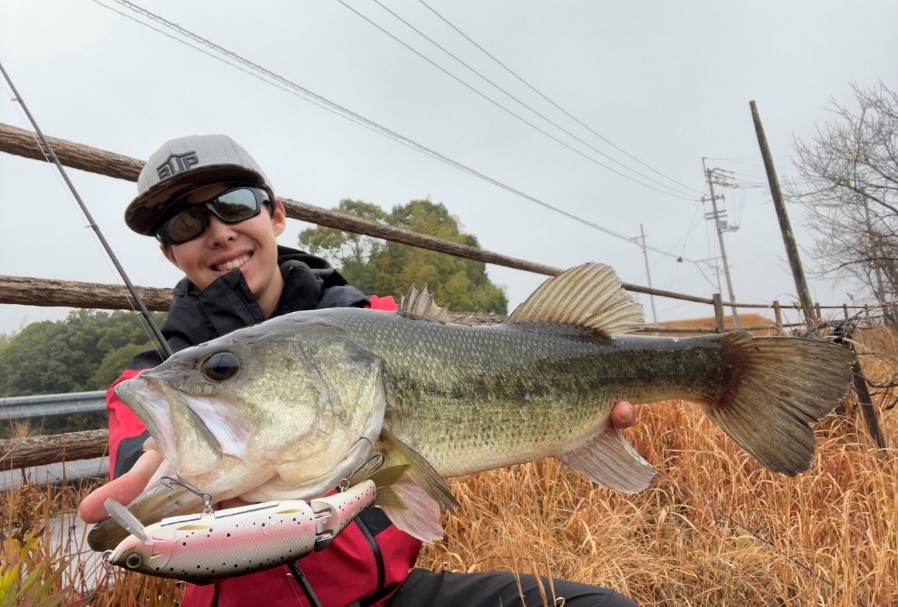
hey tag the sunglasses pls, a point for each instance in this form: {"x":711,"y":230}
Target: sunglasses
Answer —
{"x":233,"y":206}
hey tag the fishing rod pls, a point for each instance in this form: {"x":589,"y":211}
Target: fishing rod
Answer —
{"x":48,"y":152}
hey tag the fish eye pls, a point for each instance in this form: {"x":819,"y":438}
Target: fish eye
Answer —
{"x":133,"y":560}
{"x":220,"y":366}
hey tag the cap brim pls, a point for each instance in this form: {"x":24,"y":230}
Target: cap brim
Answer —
{"x":144,"y":212}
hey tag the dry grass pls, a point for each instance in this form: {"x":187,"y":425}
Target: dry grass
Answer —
{"x":714,"y":529}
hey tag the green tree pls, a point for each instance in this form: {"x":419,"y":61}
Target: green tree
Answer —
{"x":86,"y":351}
{"x":65,"y":356}
{"x":345,"y":250}
{"x":388,"y":268}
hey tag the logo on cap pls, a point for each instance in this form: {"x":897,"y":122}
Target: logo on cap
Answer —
{"x":177,"y":164}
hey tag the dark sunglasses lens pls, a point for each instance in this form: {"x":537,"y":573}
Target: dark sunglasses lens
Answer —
{"x":233,"y":206}
{"x":237,"y":205}
{"x":184,"y":226}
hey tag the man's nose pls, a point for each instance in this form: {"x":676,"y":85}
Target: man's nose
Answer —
{"x":218,"y":231}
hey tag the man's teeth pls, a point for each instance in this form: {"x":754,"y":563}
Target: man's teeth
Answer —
{"x":230,"y":265}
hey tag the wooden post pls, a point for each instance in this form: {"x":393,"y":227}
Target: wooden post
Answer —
{"x":718,"y":313}
{"x":778,"y":314}
{"x":801,"y":283}
{"x":845,"y":311}
{"x":863,"y":394}
{"x":818,"y":314}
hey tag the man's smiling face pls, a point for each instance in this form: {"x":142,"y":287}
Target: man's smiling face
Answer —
{"x":250,"y":245}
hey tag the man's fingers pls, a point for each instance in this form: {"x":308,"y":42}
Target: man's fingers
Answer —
{"x":623,"y":415}
{"x":123,"y":489}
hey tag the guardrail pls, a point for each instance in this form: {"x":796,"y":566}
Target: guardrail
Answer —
{"x":48,"y":405}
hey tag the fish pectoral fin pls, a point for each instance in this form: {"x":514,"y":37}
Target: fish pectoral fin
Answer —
{"x":406,"y":503}
{"x":608,"y":459}
{"x":420,"y":471}
{"x":384,"y":477}
{"x":411,"y":509}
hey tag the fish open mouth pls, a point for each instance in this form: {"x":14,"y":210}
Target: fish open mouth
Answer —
{"x":193,"y":432}
{"x":148,"y":401}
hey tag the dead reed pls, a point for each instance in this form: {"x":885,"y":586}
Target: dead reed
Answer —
{"x":714,"y":529}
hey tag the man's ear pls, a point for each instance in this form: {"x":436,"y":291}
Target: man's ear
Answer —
{"x":169,"y":253}
{"x":278,"y":217}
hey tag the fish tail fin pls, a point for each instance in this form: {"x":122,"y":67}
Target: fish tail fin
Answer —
{"x":773,"y":388}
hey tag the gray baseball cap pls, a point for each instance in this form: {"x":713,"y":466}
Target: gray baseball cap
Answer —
{"x":182,"y":165}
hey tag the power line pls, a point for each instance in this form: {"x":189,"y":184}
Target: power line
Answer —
{"x":508,"y":111}
{"x":264,"y":74}
{"x":564,"y":111}
{"x":675,"y":192}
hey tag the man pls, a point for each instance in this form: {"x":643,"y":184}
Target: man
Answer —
{"x":216,"y":217}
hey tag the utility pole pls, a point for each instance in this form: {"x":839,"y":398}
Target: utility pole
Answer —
{"x":801,"y":284}
{"x":648,"y":273}
{"x":720,"y":227}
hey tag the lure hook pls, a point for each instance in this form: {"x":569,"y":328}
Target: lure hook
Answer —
{"x":371,"y":465}
{"x":170,"y":481}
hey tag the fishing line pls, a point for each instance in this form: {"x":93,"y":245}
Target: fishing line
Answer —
{"x":50,"y":155}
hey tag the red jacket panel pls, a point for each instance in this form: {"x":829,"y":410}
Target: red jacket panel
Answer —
{"x":123,"y":422}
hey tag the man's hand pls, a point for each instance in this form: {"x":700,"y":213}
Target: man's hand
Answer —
{"x":623,"y":415}
{"x":123,"y":489}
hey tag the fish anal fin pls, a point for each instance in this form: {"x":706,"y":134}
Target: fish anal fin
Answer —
{"x":608,"y":459}
{"x":420,"y":471}
{"x":590,"y":296}
{"x":419,"y":304}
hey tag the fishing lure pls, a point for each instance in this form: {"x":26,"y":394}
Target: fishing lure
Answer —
{"x":201,"y":548}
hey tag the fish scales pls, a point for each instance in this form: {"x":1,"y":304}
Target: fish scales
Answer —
{"x":504,"y":394}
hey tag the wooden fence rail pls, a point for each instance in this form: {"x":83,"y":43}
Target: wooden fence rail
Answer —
{"x":41,"y":450}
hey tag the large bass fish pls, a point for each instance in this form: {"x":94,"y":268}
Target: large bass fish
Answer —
{"x":292,"y":407}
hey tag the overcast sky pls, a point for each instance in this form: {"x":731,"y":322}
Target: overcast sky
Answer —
{"x":666,"y":82}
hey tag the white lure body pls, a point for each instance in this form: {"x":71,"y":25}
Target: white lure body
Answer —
{"x":200,"y":548}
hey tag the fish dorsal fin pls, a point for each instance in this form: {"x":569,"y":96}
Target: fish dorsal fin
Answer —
{"x":419,"y":304}
{"x":589,"y":296}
